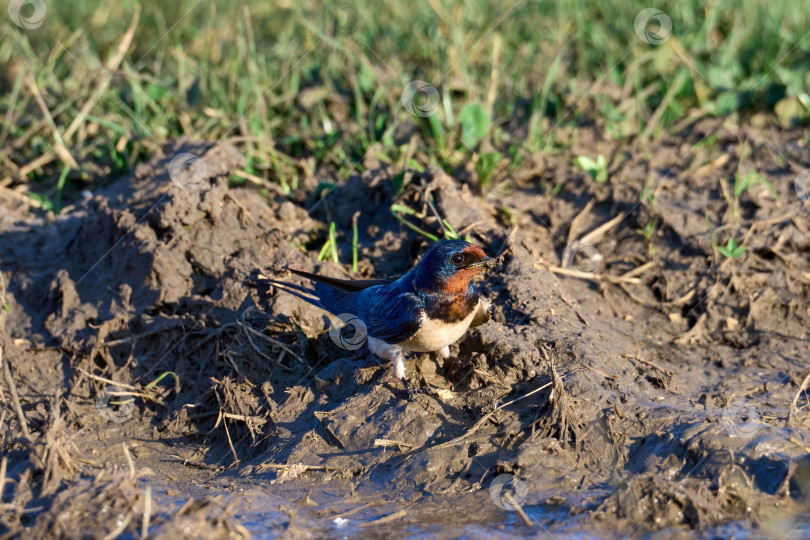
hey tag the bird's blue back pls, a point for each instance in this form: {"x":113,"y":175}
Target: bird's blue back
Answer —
{"x":391,"y":312}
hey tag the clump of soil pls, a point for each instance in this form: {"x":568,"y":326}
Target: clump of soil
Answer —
{"x":632,"y":377}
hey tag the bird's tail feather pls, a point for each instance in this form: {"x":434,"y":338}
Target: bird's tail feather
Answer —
{"x":308,"y":295}
{"x":348,"y":285}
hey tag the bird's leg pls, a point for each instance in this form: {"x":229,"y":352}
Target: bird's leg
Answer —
{"x":389,"y":352}
{"x":399,"y":373}
{"x":399,"y":366}
{"x":396,"y":355}
{"x":444,"y":352}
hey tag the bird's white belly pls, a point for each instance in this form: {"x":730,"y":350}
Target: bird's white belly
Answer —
{"x":435,"y":334}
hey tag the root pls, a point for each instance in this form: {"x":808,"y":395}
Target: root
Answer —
{"x":558,"y":422}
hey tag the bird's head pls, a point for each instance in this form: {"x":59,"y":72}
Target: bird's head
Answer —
{"x":449,"y":264}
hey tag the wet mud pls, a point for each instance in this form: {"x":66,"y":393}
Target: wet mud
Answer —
{"x":633,"y":378}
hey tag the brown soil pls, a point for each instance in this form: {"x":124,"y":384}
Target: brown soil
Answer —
{"x":623,"y":386}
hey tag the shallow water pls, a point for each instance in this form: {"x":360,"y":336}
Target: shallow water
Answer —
{"x":328,"y":511}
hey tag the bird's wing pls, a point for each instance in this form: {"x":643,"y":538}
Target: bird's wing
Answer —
{"x":390,"y":314}
{"x":395,"y":320}
{"x":349,"y":285}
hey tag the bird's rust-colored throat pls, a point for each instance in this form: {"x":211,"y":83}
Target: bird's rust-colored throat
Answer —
{"x":460,"y":281}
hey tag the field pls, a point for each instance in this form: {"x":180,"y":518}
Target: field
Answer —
{"x":643,"y":172}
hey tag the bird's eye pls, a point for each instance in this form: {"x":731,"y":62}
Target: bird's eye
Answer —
{"x":458,"y":258}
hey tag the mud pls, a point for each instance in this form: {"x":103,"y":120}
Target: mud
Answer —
{"x":626,"y":385}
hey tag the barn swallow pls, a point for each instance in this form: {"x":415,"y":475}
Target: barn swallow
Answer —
{"x":426,"y":310}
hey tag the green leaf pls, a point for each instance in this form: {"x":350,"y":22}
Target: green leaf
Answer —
{"x":354,"y":241}
{"x":333,"y":241}
{"x":648,"y":230}
{"x":485,"y":167}
{"x":155,"y":92}
{"x":732,"y":249}
{"x":585,"y":163}
{"x":449,"y":232}
{"x":596,"y":169}
{"x":59,"y":186}
{"x":415,"y":165}
{"x":388,"y":137}
{"x":161,"y":377}
{"x":510,"y":218}
{"x":398,"y":181}
{"x":437,"y":129}
{"x":601,"y":169}
{"x":402,"y":209}
{"x":118,"y":159}
{"x":43,"y":200}
{"x":741,"y":185}
{"x":474,"y":122}
{"x":250,"y":165}
{"x":329,"y":248}
{"x":415,"y":228}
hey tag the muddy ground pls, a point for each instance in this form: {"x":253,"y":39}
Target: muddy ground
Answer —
{"x":626,"y":385}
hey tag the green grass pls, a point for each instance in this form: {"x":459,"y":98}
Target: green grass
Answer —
{"x":303,"y":96}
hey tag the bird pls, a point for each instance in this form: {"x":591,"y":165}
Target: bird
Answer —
{"x":426,"y":310}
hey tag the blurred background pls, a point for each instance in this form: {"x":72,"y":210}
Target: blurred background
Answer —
{"x":90,"y":89}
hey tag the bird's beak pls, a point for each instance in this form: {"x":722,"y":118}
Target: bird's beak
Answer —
{"x":487,"y":262}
